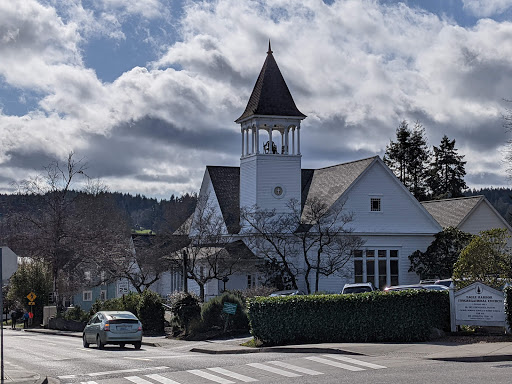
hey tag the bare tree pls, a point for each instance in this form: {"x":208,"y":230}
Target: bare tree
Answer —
{"x":140,"y":259}
{"x":65,"y":228}
{"x":211,"y":253}
{"x":326,"y":240}
{"x":270,"y":234}
{"x":315,"y":239}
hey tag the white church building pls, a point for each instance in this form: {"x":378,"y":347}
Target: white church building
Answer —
{"x":387,"y":217}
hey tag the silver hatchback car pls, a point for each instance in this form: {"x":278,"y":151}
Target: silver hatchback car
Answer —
{"x":113,"y":327}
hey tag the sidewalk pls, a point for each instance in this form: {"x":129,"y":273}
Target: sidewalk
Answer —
{"x":435,"y":350}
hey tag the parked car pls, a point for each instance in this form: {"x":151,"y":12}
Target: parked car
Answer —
{"x":416,"y":287}
{"x":113,"y":327}
{"x":357,"y":288}
{"x":288,"y":292}
{"x":445,"y":282}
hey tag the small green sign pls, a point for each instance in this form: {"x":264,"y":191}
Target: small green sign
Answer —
{"x":229,"y":308}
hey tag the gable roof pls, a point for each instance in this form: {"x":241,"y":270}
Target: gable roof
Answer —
{"x":226,"y":184}
{"x":328,"y":184}
{"x":452,"y":212}
{"x":270,"y":95}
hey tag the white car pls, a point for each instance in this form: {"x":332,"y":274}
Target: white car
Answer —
{"x":357,"y":288}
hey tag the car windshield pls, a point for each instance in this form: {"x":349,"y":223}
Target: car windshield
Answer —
{"x":356,"y":289}
{"x":121,"y":316}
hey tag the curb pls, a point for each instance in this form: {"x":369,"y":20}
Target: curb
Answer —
{"x":274,"y":349}
{"x":475,"y":359}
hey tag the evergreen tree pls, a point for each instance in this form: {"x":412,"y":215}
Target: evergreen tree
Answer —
{"x":408,"y":157}
{"x":397,"y":153}
{"x":417,"y":165}
{"x":447,"y":171}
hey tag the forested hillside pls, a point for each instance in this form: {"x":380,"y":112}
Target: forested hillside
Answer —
{"x":144,"y":212}
{"x":168,"y":215}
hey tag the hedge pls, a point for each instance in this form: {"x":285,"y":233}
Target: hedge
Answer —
{"x":376,"y":316}
{"x":508,"y":305}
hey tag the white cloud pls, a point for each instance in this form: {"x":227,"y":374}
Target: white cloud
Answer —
{"x":486,"y":8}
{"x":356,"y":68}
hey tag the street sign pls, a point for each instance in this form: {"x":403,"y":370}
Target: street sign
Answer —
{"x":31,"y":296}
{"x":31,"y":303}
{"x":229,"y":308}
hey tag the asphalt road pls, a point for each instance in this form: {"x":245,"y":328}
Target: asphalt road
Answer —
{"x":65,"y":358}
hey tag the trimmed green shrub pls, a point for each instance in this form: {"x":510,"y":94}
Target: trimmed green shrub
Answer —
{"x":212,"y":315}
{"x":185,"y":308}
{"x":76,"y":314}
{"x":151,"y":312}
{"x":376,"y":316}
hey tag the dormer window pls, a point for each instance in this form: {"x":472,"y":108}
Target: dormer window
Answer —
{"x":375,"y":204}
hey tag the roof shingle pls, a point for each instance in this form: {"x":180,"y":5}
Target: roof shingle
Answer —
{"x":451,"y":212}
{"x":270,"y":95}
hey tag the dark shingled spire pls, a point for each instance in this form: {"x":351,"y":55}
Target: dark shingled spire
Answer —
{"x":270,"y":95}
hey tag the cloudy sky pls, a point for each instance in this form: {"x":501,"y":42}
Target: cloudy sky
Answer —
{"x":147,"y":91}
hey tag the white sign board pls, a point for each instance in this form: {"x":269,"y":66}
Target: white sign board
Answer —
{"x":477,"y":304}
{"x":122,"y":288}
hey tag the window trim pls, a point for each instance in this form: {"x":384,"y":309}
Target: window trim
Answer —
{"x":377,"y":200}
{"x":88,"y":297}
{"x":371,"y":254}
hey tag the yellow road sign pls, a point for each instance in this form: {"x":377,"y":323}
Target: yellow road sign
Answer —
{"x":31,"y":296}
{"x":31,"y":303}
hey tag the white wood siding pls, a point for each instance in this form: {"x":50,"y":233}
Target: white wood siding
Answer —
{"x":208,"y":190}
{"x":482,"y":218}
{"x":405,"y":246}
{"x":248,"y":181}
{"x":260,"y":174}
{"x":400,"y":212}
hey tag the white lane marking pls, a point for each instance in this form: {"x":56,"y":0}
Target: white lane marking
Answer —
{"x":157,"y":357}
{"x":86,"y":349}
{"x":354,"y":361}
{"x":295,"y":368}
{"x":88,"y":382}
{"x":211,"y":377}
{"x":273,"y":370}
{"x":124,"y":371}
{"x":137,"y":380}
{"x":139,"y":358}
{"x":67,"y":377}
{"x":161,"y":379}
{"x":334,"y":363}
{"x":234,"y":375}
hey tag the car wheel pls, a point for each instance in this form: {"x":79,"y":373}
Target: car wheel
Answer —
{"x":137,"y":345}
{"x":99,"y":343}
{"x":86,"y":344}
{"x":122,"y":345}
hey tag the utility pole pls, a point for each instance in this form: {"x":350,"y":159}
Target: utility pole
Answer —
{"x":185,"y":267}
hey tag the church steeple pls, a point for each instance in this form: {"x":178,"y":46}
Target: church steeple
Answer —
{"x":270,"y":165}
{"x":270,"y":96}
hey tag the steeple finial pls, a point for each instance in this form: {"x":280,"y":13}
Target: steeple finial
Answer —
{"x":269,"y":48}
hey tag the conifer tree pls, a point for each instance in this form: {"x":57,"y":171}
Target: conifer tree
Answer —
{"x":408,"y":157}
{"x":447,"y":171}
{"x":397,"y":153}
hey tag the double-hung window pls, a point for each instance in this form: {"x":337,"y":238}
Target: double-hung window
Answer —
{"x":378,"y":266}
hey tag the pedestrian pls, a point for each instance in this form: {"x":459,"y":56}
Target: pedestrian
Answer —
{"x":30,"y":318}
{"x":14,"y":317}
{"x":25,"y":319}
